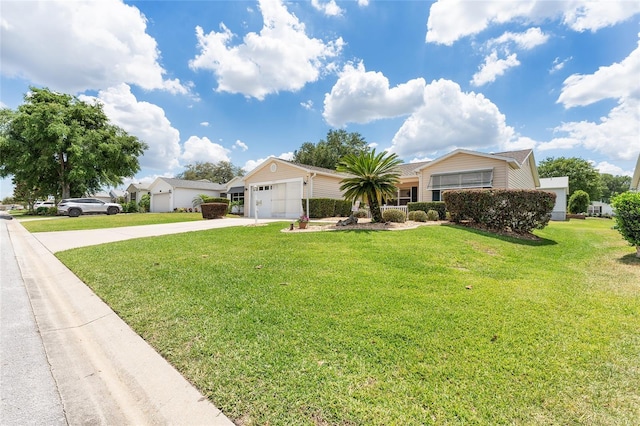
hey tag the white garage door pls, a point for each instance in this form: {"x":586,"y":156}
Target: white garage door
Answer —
{"x":280,"y":200}
{"x":160,"y":203}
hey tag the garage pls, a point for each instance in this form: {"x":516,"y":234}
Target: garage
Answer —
{"x":277,"y":200}
{"x":161,"y":202}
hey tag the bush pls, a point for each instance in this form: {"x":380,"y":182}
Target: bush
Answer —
{"x":438,"y":206}
{"x":627,"y":217}
{"x":579,"y":202}
{"x":432,"y":215}
{"x":421,"y":216}
{"x":516,"y":210}
{"x":361,"y":213}
{"x":130,"y":207}
{"x":47,"y":211}
{"x":393,"y":215}
{"x":145,"y":203}
{"x":327,"y":207}
{"x":213,"y":210}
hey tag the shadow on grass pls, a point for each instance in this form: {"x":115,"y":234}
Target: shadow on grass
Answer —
{"x":630,"y":259}
{"x":509,"y":239}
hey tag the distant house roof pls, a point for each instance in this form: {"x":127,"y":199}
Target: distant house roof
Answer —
{"x":554,"y":183}
{"x":194,"y":184}
{"x":137,"y":187}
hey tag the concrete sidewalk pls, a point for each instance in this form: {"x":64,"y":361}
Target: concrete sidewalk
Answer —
{"x":67,"y":358}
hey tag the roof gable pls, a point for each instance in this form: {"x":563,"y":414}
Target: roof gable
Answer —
{"x":191,"y":184}
{"x":303,"y":167}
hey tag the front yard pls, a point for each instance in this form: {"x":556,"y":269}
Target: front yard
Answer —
{"x":433,"y":325}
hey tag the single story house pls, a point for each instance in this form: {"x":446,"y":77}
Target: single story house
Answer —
{"x":135,"y":192}
{"x":111,"y":196}
{"x":235,"y":193}
{"x":597,"y":208}
{"x":168,"y":194}
{"x":277,"y":188}
{"x":635,"y":180}
{"x":559,"y":185}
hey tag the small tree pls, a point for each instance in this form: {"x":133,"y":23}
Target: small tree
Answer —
{"x":627,"y":209}
{"x":145,"y":203}
{"x":579,"y":202}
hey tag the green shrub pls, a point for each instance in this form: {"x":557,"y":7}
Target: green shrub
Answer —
{"x":393,"y":215}
{"x":411,"y":215}
{"x":360,"y":213}
{"x":327,"y":207}
{"x":213,"y":210}
{"x":517,"y":210}
{"x":46,"y":211}
{"x":432,"y":215}
{"x":627,"y":217}
{"x":420,"y":216}
{"x":130,"y":207}
{"x":145,"y":203}
{"x":579,"y":202}
{"x":438,"y":206}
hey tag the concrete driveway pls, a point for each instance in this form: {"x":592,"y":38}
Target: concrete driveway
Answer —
{"x":65,"y":240}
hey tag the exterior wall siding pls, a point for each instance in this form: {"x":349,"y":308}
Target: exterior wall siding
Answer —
{"x":521,"y":178}
{"x":325,"y":187}
{"x":283,"y":172}
{"x":464,"y":162}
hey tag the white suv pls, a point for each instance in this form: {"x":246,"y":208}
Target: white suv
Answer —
{"x":74,"y":207}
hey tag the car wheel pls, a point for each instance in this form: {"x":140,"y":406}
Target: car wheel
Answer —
{"x":112,"y":210}
{"x":75,"y":212}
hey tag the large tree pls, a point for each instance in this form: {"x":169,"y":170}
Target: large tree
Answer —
{"x":613,"y":185}
{"x":56,"y":144}
{"x":374,"y":177}
{"x":220,"y":172}
{"x":328,"y":153}
{"x":582,"y":175}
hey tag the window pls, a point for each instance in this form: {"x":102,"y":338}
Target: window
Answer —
{"x":435,"y":195}
{"x":133,"y":196}
{"x":473,"y":179}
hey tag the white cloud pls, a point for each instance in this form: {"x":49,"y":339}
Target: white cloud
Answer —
{"x":252,"y":164}
{"x":205,"y":124}
{"x":526,"y":41}
{"x":363,"y":3}
{"x":239,"y":144}
{"x":329,"y":8}
{"x":451,"y":119}
{"x":53,"y":43}
{"x":360,"y":97}
{"x":280,"y":57}
{"x":619,"y":80}
{"x":558,"y":64}
{"x":452,"y":20}
{"x":203,"y":150}
{"x":144,"y":120}
{"x":612,"y":169}
{"x":615,"y":135}
{"x":308,"y":105}
{"x":493,"y":67}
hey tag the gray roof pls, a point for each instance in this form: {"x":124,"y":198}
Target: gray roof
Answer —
{"x":408,"y":169}
{"x":195,"y":184}
{"x":520,"y":156}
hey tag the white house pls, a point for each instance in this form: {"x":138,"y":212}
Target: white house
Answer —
{"x":559,"y":185}
{"x":596,"y":208}
{"x":169,"y":194}
{"x":135,"y":192}
{"x":235,"y":193}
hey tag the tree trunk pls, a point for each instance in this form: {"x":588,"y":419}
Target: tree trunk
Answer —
{"x":376,"y":215}
{"x":637,"y":251}
{"x":66,"y":190}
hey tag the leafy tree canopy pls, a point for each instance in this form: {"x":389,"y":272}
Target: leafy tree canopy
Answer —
{"x":613,"y":185}
{"x":55,"y":144}
{"x":375,"y":177}
{"x":328,"y":153}
{"x":582,"y":175}
{"x":220,"y":172}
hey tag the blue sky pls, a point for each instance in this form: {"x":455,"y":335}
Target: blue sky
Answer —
{"x":244,"y":80}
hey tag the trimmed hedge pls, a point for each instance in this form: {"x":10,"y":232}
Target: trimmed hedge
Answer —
{"x":327,"y":207}
{"x":216,"y":200}
{"x":438,"y":206}
{"x":213,"y":210}
{"x":393,"y":215}
{"x":516,"y":210}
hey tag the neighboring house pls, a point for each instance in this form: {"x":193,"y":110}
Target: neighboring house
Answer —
{"x":635,"y":180}
{"x":235,"y":193}
{"x":596,"y":208}
{"x":277,"y":188}
{"x":168,"y":194}
{"x":113,"y":196}
{"x":135,"y":192}
{"x":559,"y":185}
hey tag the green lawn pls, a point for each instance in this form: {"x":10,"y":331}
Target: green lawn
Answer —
{"x":102,"y":221}
{"x":379,"y":328}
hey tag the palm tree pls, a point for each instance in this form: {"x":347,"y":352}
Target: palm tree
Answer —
{"x":375,"y":176}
